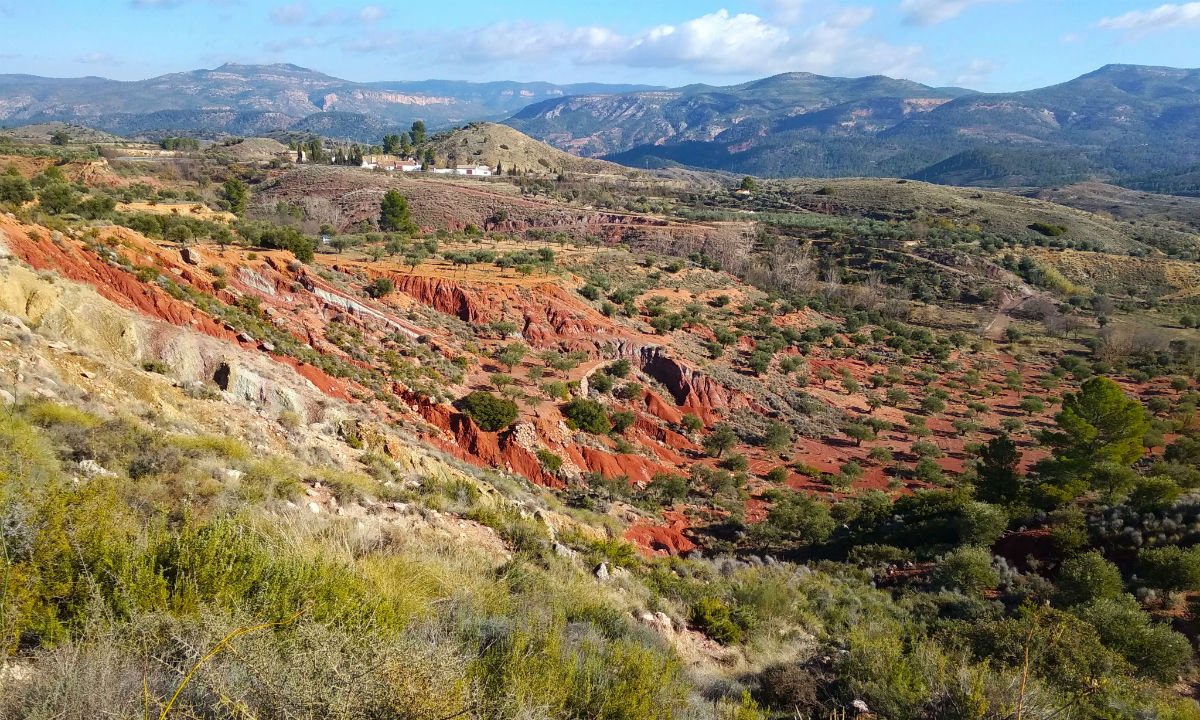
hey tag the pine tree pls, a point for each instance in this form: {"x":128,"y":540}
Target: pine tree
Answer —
{"x":394,"y":215}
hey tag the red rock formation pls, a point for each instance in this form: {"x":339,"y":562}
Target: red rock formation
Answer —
{"x":662,"y":539}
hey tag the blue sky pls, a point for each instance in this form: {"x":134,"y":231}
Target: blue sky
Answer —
{"x":985,"y":44}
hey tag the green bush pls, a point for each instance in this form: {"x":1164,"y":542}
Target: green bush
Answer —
{"x":968,"y":569}
{"x":587,"y":415}
{"x":490,"y":413}
{"x":1086,"y":578}
{"x":1153,"y":648}
{"x":1047,"y":229}
{"x":1170,"y":567}
{"x":712,"y":617}
{"x":551,"y":462}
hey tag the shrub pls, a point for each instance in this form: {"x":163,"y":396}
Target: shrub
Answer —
{"x":490,"y":413}
{"x":619,"y":368}
{"x":1154,"y":493}
{"x":1170,"y":567}
{"x":735,"y":462}
{"x":1047,"y":229}
{"x":880,"y":454}
{"x":796,"y":517}
{"x":968,"y":569}
{"x":551,"y":462}
{"x":777,"y":474}
{"x":1086,"y":578}
{"x":622,"y":420}
{"x":629,"y":391}
{"x":1153,"y":648}
{"x":587,"y":415}
{"x":711,"y":617}
{"x":381,"y":287}
{"x":720,"y":439}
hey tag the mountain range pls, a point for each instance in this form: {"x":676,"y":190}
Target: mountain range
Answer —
{"x":1136,"y":126}
{"x":256,"y":99}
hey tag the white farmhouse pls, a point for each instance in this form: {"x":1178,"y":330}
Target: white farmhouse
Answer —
{"x":474,"y":170}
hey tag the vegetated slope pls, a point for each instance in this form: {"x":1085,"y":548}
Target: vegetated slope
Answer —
{"x":856,"y":401}
{"x":990,"y":211}
{"x":255,"y":99}
{"x":344,"y":197}
{"x":41,"y":133}
{"x":605,"y":124}
{"x":253,"y":150}
{"x":493,"y":144}
{"x":1121,"y":122}
{"x":1124,"y":204}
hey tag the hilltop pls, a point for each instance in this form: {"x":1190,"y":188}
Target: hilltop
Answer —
{"x":493,"y":144}
{"x":42,"y":132}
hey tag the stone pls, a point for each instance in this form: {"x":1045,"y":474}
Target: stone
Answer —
{"x":6,"y":398}
{"x":316,"y":509}
{"x":601,"y":571}
{"x":564,"y":551}
{"x":190,"y":256}
{"x":91,"y":468}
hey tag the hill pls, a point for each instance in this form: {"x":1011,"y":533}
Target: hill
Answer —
{"x":494,"y":144}
{"x":588,"y":447}
{"x":256,"y":99}
{"x":596,"y":125}
{"x":42,"y":132}
{"x":1182,"y":213}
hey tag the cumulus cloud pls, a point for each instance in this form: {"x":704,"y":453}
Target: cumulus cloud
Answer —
{"x":1163,"y":17}
{"x":933,"y":12}
{"x":290,"y":14}
{"x":719,"y":42}
{"x":371,"y":13}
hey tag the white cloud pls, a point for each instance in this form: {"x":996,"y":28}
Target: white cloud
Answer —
{"x":975,"y":73}
{"x":342,"y":16}
{"x":717,"y":43}
{"x":371,"y":13}
{"x":97,"y":58}
{"x":1071,"y":39}
{"x":290,"y":14}
{"x":933,"y":12}
{"x":1163,"y":17}
{"x":786,"y":12}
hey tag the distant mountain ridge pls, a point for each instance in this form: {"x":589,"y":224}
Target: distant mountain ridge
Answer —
{"x":254,"y":99}
{"x":1136,"y":124}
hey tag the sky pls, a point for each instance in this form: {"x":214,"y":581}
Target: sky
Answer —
{"x":990,"y":45}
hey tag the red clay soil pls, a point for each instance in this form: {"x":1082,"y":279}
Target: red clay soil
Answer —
{"x":662,"y":540}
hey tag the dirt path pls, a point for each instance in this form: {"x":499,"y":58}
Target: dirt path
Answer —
{"x":994,"y":330}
